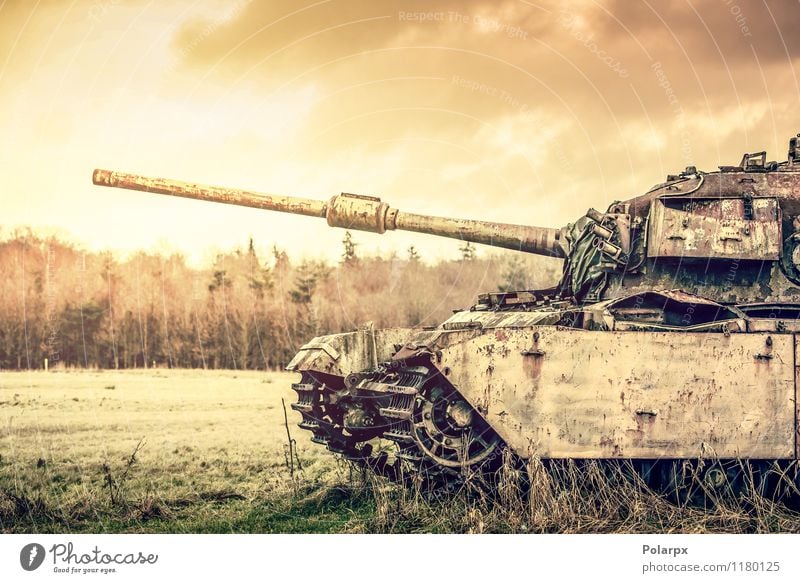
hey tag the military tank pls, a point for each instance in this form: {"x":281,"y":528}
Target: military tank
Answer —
{"x":669,"y":344}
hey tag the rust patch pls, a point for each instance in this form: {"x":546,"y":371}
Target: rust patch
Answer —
{"x":607,"y":442}
{"x":532,"y":365}
{"x":636,"y":436}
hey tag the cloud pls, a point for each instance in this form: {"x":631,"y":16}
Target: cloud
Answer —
{"x":709,"y":31}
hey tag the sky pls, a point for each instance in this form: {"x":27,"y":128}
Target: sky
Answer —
{"x":512,"y":111}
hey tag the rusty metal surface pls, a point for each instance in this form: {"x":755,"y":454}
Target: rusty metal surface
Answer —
{"x":732,"y":282}
{"x":341,"y":354}
{"x":796,"y":401}
{"x":715,"y":228}
{"x":574,"y":393}
{"x":505,"y":319}
{"x":235,"y":196}
{"x":352,"y":211}
{"x":539,"y":240}
{"x":781,"y":184}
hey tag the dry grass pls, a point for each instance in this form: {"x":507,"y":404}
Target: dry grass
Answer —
{"x":195,"y":451}
{"x":576,"y":499}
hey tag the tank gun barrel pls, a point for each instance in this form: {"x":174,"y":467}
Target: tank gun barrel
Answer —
{"x":352,"y":211}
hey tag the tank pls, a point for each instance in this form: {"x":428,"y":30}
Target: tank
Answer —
{"x":669,"y":346}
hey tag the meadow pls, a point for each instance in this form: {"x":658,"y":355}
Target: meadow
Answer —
{"x":207,"y":451}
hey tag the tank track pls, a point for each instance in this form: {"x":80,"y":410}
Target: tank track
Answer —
{"x":439,"y":440}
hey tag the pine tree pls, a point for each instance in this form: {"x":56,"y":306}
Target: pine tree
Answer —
{"x":467,"y":251}
{"x":349,"y":253}
{"x":280,"y":258}
{"x":515,"y":275}
{"x":305,"y":284}
{"x":259,"y":278}
{"x":219,"y":280}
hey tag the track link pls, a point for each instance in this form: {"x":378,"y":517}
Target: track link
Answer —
{"x":438,"y":438}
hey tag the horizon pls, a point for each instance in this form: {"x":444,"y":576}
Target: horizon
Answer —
{"x":206,"y":259}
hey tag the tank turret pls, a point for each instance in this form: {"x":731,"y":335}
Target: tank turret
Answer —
{"x":731,"y":235}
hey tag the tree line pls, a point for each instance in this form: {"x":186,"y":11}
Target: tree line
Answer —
{"x":70,"y":307}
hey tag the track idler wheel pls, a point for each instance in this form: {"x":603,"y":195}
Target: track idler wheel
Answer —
{"x":449,"y":432}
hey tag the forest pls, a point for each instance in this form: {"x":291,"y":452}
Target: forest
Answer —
{"x":62,"y":306}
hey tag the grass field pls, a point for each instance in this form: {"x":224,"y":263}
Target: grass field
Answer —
{"x":199,"y":451}
{"x":212,"y":455}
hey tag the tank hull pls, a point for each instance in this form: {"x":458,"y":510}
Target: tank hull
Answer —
{"x":547,"y":390}
{"x":560,"y":393}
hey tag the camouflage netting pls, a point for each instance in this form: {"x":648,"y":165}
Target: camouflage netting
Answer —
{"x":584,"y":276}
